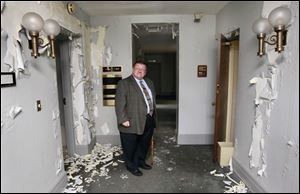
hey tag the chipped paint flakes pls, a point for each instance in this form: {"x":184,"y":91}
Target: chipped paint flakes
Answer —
{"x":266,"y":88}
{"x":237,"y":188}
{"x":124,"y":176}
{"x":157,"y":161}
{"x":15,"y":111}
{"x":94,"y":165}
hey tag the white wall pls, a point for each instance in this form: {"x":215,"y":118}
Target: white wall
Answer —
{"x":31,"y":148}
{"x":196,"y":46}
{"x":282,"y":160}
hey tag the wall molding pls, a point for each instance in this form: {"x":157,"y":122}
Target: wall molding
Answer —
{"x":61,"y":184}
{"x":195,"y":139}
{"x":249,"y":181}
{"x":85,"y":149}
{"x":109,"y":139}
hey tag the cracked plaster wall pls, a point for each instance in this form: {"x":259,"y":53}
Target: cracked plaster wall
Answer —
{"x":267,"y":109}
{"x":31,"y":142}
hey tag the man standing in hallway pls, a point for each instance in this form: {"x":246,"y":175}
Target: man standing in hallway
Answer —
{"x":135,"y":110}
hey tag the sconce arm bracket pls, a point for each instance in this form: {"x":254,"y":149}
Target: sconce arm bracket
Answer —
{"x":272,"y":40}
{"x":41,"y":42}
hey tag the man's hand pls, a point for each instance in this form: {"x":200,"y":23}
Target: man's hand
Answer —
{"x":126,"y":124}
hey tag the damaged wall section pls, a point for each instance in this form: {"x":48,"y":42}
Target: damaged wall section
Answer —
{"x":32,"y":137}
{"x":266,"y":152}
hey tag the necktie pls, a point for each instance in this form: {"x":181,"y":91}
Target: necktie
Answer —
{"x":150,"y":103}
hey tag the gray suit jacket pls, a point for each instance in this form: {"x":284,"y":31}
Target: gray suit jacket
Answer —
{"x":131,"y":106}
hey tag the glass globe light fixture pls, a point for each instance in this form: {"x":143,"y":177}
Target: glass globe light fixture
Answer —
{"x":278,"y":19}
{"x":52,"y":29}
{"x":33,"y":22}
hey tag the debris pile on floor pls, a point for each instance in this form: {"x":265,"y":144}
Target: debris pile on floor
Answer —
{"x":237,"y":188}
{"x":91,"y":165}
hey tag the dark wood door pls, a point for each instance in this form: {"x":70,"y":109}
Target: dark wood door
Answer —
{"x":221,"y":95}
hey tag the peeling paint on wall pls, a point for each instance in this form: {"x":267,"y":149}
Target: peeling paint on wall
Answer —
{"x":59,"y":161}
{"x":56,"y":122}
{"x":108,"y":56}
{"x":15,"y":111}
{"x":80,"y":94}
{"x":104,"y":129}
{"x":8,"y":117}
{"x":267,"y":90}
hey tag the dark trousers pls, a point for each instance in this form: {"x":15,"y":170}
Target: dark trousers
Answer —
{"x":135,"y":147}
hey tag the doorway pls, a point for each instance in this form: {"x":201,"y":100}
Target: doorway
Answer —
{"x":63,"y":44}
{"x":226,"y":90}
{"x":157,"y":45}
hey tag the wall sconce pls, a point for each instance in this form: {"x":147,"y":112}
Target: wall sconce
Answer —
{"x":278,"y":18}
{"x":34,"y":23}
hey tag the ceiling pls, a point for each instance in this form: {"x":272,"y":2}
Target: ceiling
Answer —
{"x":117,"y":8}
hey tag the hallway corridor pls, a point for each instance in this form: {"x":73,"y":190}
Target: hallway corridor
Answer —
{"x":184,"y":169}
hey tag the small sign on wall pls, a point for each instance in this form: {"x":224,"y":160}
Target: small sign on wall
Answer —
{"x":202,"y":71}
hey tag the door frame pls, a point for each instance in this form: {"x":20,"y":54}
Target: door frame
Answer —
{"x":226,"y":87}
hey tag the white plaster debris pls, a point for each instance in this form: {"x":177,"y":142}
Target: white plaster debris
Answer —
{"x":115,"y":164}
{"x":157,"y":161}
{"x":213,"y":172}
{"x":94,"y":165}
{"x":165,"y":151}
{"x":15,"y":111}
{"x":237,"y":188}
{"x":231,"y":179}
{"x":168,"y":140}
{"x":219,"y":175}
{"x":169,"y":169}
{"x":229,"y":173}
{"x":124,"y":176}
{"x":172,"y":162}
{"x":227,"y":182}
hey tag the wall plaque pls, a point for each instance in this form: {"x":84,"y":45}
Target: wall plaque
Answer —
{"x":202,"y":71}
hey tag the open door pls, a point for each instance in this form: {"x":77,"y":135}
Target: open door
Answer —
{"x":221,"y":94}
{"x":226,"y":90}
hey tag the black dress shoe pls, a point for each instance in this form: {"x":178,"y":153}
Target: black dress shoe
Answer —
{"x":135,"y":172}
{"x":145,"y":166}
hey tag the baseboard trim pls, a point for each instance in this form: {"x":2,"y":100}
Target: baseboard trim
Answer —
{"x":109,"y":139}
{"x":85,"y":149}
{"x":195,"y":139}
{"x":251,"y":183}
{"x":61,"y":184}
